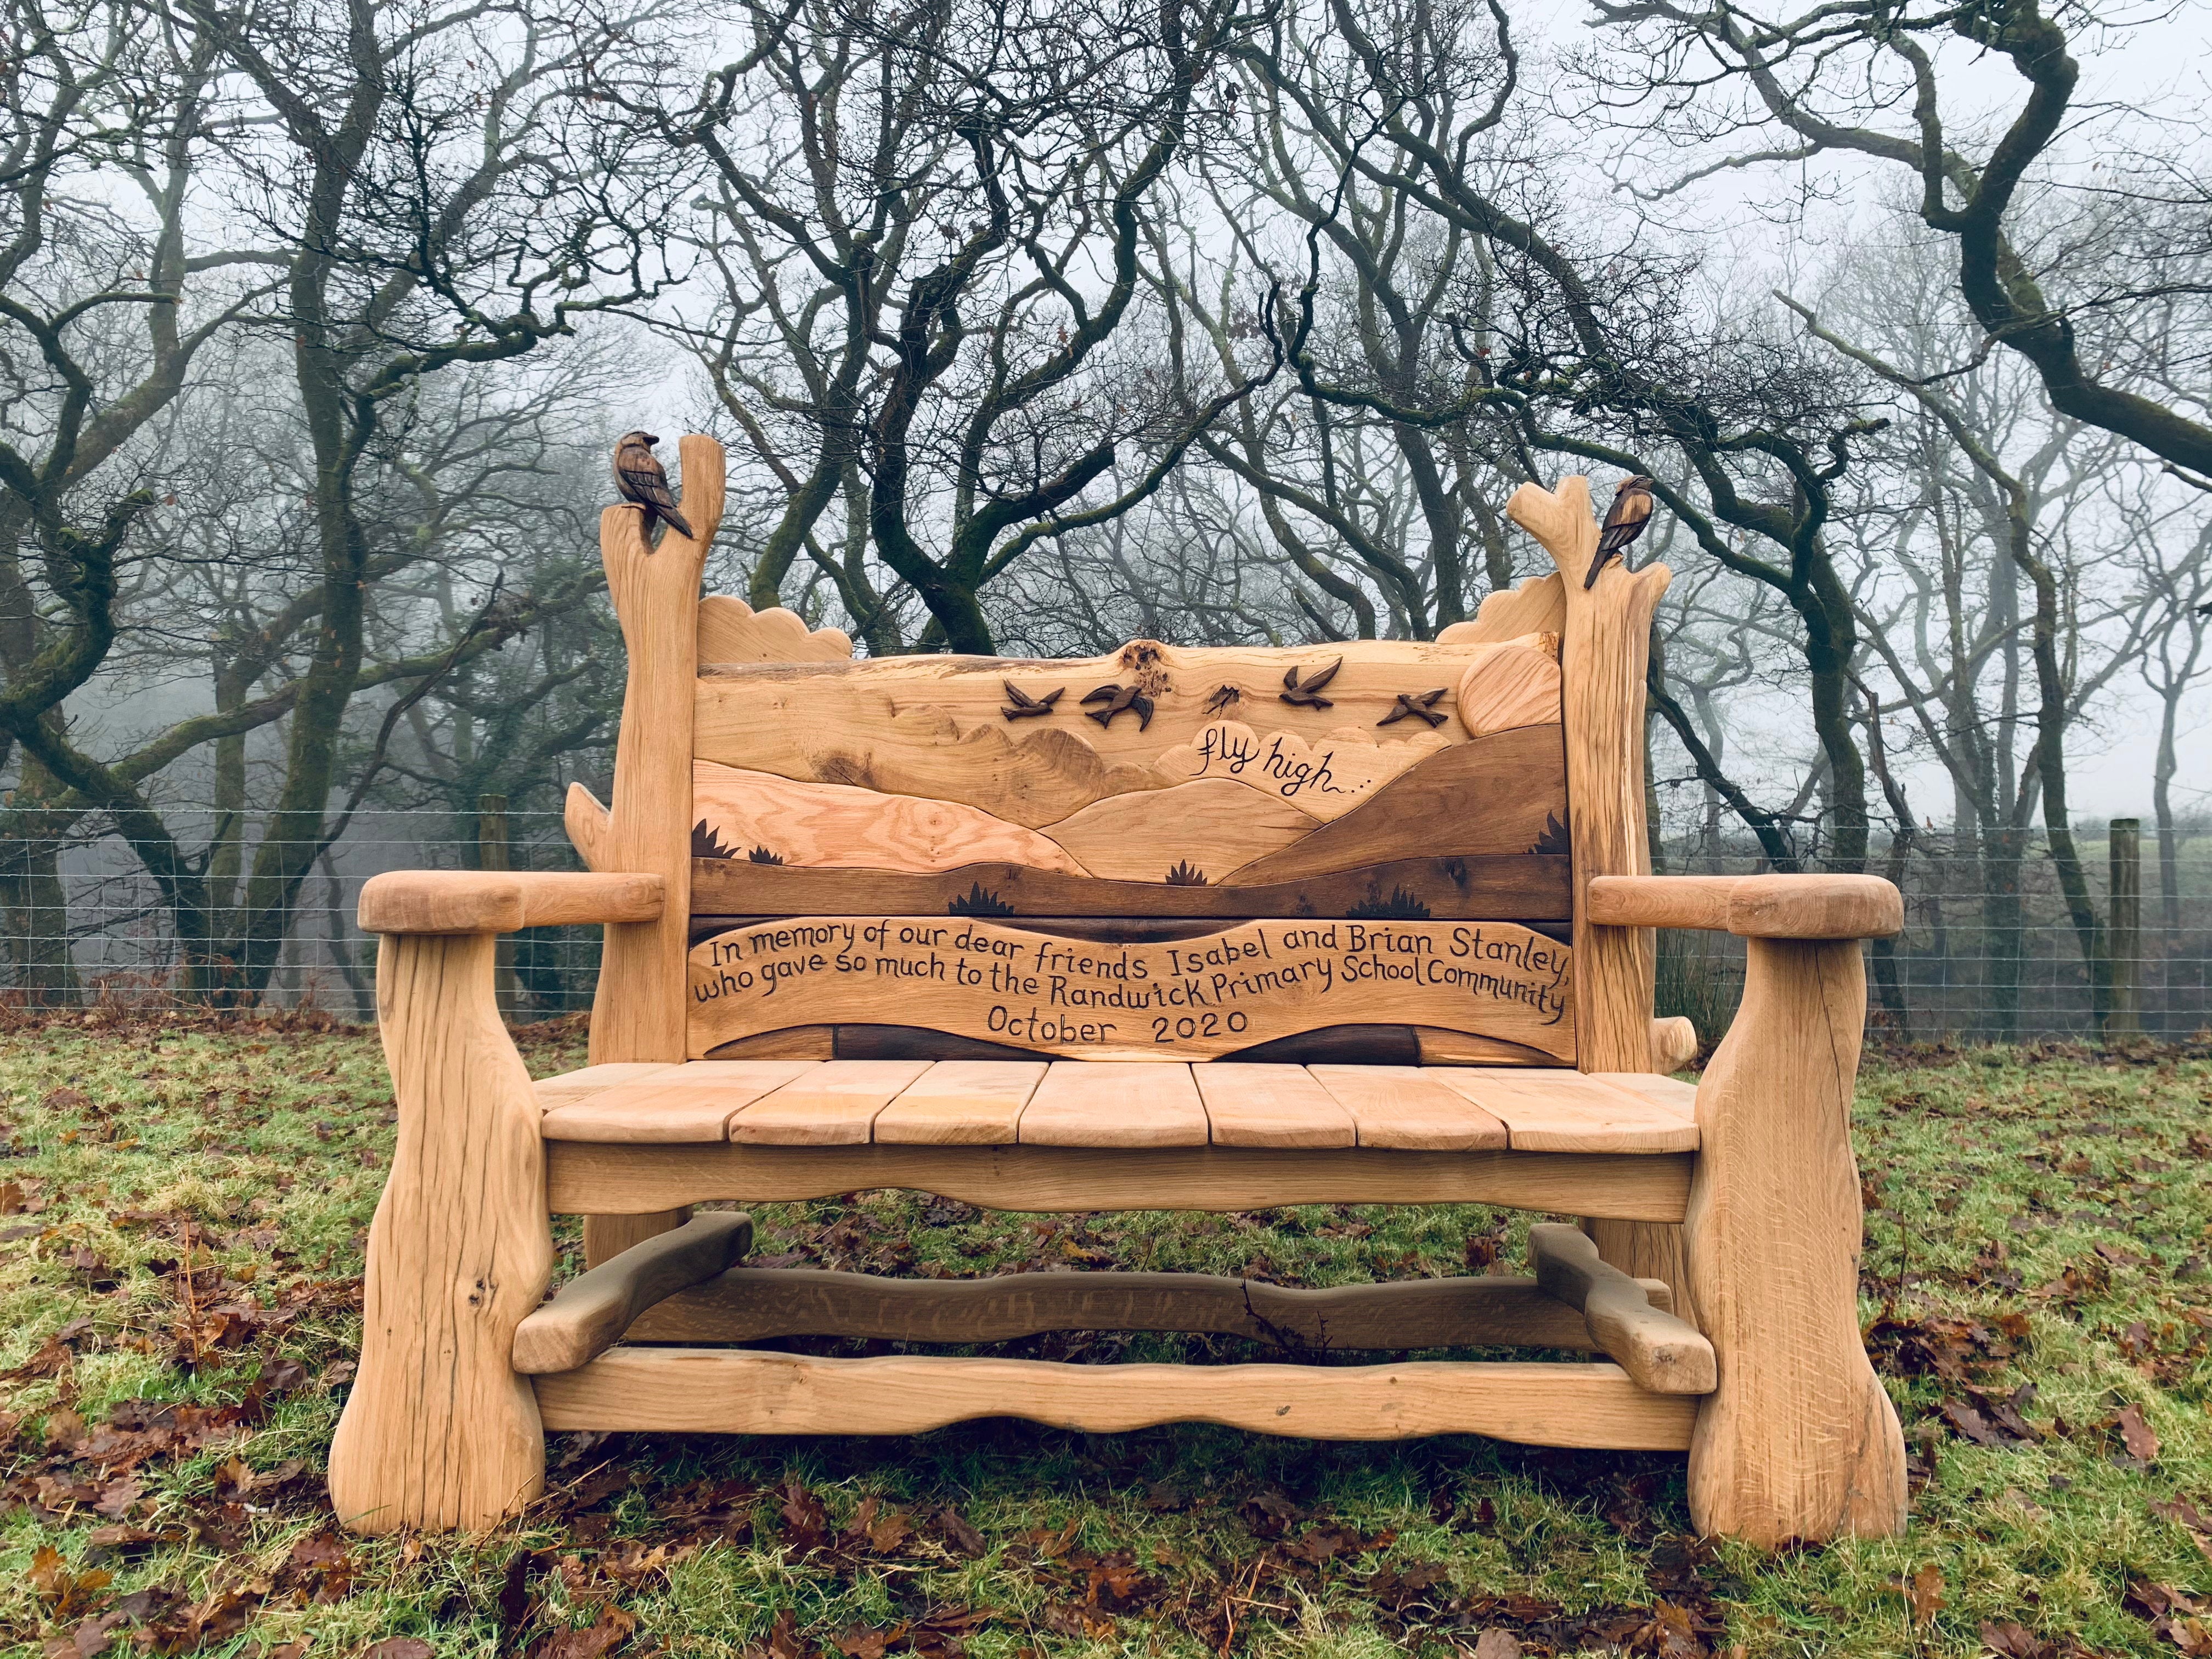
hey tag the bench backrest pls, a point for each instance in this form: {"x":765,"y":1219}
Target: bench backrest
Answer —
{"x":1365,"y":851}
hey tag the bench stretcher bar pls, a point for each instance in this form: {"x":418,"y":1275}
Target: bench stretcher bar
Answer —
{"x":734,"y":1391}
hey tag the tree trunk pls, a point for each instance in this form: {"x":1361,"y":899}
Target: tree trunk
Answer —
{"x":2002,"y":939}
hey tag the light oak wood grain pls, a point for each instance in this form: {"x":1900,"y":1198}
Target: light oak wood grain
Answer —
{"x":1516,"y":778}
{"x":679,"y":1105}
{"x":1605,"y":635}
{"x":588,"y":1080}
{"x":1481,"y":887}
{"x":1675,"y":1043}
{"x":1603,"y":650}
{"x":837,"y":826}
{"x":606,"y":1237}
{"x":1800,"y":1440}
{"x":1566,"y":1112}
{"x":688,"y":1390}
{"x":1536,"y":606}
{"x":1433,"y":1047}
{"x":1211,"y":826}
{"x":1643,"y":1186}
{"x":1648,"y":1252}
{"x":590,"y":827}
{"x":794,"y":1043}
{"x":832,"y":1102}
{"x":1033,"y":774}
{"x":1755,"y":906}
{"x":438,"y":1430}
{"x":1659,"y":1350}
{"x":1509,"y":685}
{"x":1111,"y":1105}
{"x":501,"y":901}
{"x":933,"y":726}
{"x":751,"y":1304}
{"x":638,"y":1012}
{"x":1208,"y":996}
{"x":1401,"y":1107}
{"x":1674,"y":1094}
{"x":961,"y":1103}
{"x":732,"y":632}
{"x":1270,"y":1106}
{"x":1324,"y":778}
{"x":589,"y":1313}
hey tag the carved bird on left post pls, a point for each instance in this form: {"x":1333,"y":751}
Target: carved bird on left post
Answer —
{"x":641,"y":479}
{"x":1630,"y":512}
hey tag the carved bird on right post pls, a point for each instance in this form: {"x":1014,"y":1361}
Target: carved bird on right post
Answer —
{"x":640,"y":479}
{"x":1630,"y":512}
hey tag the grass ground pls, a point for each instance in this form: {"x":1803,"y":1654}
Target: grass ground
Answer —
{"x":182,"y":1215}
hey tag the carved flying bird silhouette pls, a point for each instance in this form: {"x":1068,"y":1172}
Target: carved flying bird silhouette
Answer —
{"x":1024,"y":706}
{"x":1631,"y":511}
{"x":1117,"y":700}
{"x":1421,"y":705}
{"x":641,"y":479}
{"x":1305,"y":696}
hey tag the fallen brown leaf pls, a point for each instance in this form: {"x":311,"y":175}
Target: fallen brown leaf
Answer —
{"x":1923,"y":1593}
{"x":2141,"y":1441}
{"x":805,"y":1521}
{"x":962,"y":1537}
{"x":610,"y":1630}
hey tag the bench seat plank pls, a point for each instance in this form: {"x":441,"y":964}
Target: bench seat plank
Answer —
{"x":1404,"y":1107}
{"x":672,"y":1103}
{"x":1668,"y":1091}
{"x":831,"y":1102}
{"x":1116,"y":1103}
{"x":1106,"y":1103}
{"x":962,"y":1102}
{"x":1248,"y":1105}
{"x":1566,"y":1112}
{"x":593,"y":1079}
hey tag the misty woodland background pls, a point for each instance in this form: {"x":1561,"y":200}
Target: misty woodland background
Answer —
{"x":1032,"y":326}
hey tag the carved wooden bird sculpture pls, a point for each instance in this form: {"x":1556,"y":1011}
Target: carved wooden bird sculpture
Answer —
{"x":640,"y":477}
{"x":1631,"y":511}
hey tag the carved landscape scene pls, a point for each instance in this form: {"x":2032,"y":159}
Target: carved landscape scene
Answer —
{"x":1382,"y":779}
{"x":1162,"y":854}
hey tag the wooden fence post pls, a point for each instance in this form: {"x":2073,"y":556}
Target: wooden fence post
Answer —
{"x":2125,"y":843}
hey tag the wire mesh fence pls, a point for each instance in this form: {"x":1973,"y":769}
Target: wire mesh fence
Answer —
{"x":85,"y":923}
{"x":1989,"y":952}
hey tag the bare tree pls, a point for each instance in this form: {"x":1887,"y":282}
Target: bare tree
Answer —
{"x":929,"y":231}
{"x":1902,"y":85}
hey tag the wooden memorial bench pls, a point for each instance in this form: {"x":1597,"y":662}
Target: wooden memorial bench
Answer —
{"x":1210,"y":929}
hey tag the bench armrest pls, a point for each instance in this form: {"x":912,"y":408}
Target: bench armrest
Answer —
{"x":1752,"y":907}
{"x":499,"y":902}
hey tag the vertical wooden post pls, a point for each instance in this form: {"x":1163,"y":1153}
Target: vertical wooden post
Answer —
{"x":1603,"y":651}
{"x":638,"y":1012}
{"x":494,"y":852}
{"x":2125,"y":933}
{"x":439,"y":1431}
{"x":1799,"y":1441}
{"x":639,"y":1007}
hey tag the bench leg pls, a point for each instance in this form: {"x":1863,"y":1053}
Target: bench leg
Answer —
{"x":439,"y":1431}
{"x":1799,"y":1441}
